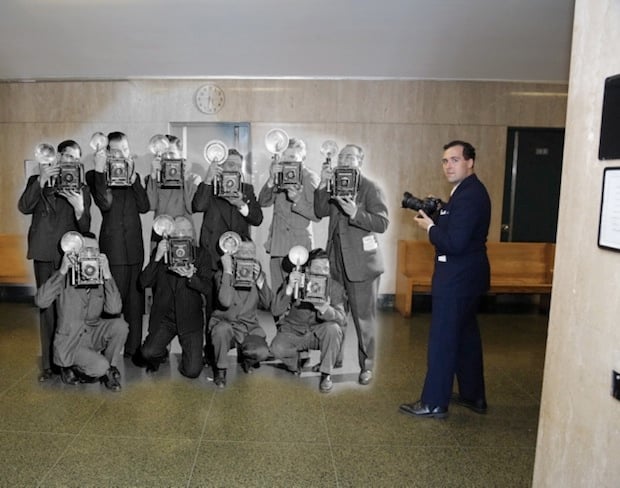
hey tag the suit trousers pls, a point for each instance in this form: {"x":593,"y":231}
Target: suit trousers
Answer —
{"x":154,"y":348}
{"x":326,"y":336}
{"x":454,"y":348}
{"x":362,"y":296}
{"x":277,"y":273}
{"x":47,"y":316}
{"x":126,"y":278}
{"x":108,"y":336}
{"x":253,"y":349}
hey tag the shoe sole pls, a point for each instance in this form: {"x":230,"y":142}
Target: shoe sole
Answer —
{"x":425,"y":416}
{"x":473,"y":408}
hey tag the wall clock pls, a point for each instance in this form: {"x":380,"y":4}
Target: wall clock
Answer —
{"x":209,"y":98}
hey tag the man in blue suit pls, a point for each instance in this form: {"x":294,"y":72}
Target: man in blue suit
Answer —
{"x":461,"y":276}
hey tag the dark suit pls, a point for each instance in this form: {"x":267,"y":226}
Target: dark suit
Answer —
{"x":52,"y":217}
{"x":221,"y":216}
{"x":121,"y":241}
{"x":461,"y":275}
{"x":176,"y":310}
{"x":355,"y":257}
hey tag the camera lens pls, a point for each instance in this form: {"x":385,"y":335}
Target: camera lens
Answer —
{"x":89,"y":270}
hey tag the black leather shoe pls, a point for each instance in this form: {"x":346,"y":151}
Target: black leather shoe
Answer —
{"x":219,"y":377}
{"x":419,"y":409}
{"x":110,"y":382}
{"x":115,"y":372}
{"x":46,"y":375}
{"x":326,"y":385}
{"x":68,"y":377}
{"x":478,"y":406}
{"x":365,"y":377}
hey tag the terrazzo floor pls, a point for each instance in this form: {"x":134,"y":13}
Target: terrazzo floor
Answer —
{"x":269,"y":428}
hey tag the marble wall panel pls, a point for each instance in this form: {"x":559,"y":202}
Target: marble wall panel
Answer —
{"x":402,"y":125}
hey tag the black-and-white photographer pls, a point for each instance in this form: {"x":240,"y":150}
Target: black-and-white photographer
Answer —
{"x":120,"y":238}
{"x":292,"y":198}
{"x":53,"y":214}
{"x":85,"y":342}
{"x":352,"y":244}
{"x":312,"y":323}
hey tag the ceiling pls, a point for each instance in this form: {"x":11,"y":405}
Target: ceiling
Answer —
{"x":519,"y":40}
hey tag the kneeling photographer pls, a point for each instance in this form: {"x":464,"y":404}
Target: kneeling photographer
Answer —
{"x":177,"y":275}
{"x":313,"y":310}
{"x":83,"y":288}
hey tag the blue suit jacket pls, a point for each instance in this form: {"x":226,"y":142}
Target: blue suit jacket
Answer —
{"x":459,"y":236}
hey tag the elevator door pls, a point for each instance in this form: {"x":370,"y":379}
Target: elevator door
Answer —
{"x":532,"y":184}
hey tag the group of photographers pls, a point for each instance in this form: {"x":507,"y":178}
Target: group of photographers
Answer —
{"x":206,"y":293}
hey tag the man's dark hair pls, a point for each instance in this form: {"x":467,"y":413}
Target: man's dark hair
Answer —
{"x":175,"y":141}
{"x":318,"y":253}
{"x":234,"y":152}
{"x":116,"y":136}
{"x":68,"y":143}
{"x":469,"y":151}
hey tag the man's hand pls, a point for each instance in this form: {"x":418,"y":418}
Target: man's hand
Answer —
{"x":294,"y":193}
{"x":131,"y":166}
{"x":65,"y":264}
{"x":155,"y":166}
{"x":348,"y":205}
{"x":105,"y":267}
{"x":259,"y":276}
{"x":295,"y":280}
{"x":240,"y":204}
{"x":214,"y":171}
{"x":185,"y":271}
{"x":47,"y":172}
{"x":100,"y":158}
{"x":162,"y":249}
{"x":193,"y":178}
{"x":423,"y":220}
{"x":274,"y":169}
{"x":327,"y":174}
{"x":322,"y":305}
{"x":75,"y":199}
{"x":227,"y":263}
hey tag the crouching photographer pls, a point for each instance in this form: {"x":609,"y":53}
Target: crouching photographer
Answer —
{"x":313,"y":310}
{"x":83,"y":288}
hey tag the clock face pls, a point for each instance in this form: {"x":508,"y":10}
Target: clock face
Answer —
{"x":209,"y":99}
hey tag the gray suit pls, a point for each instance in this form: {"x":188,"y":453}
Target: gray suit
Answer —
{"x":355,"y":257}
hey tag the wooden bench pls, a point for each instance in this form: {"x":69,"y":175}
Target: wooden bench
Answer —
{"x":14,"y":267}
{"x":516,"y":267}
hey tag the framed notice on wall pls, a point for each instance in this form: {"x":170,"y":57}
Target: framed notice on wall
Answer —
{"x":609,"y":223}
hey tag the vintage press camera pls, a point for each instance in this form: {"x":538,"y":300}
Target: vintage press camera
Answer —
{"x":118,"y":170}
{"x":181,"y":253}
{"x":228,"y":183}
{"x":244,"y":258}
{"x":345,"y":181}
{"x":313,"y":287}
{"x":86,"y":269}
{"x":71,"y":177}
{"x":429,"y":205}
{"x":171,"y":172}
{"x":71,"y":174}
{"x":290,"y":174}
